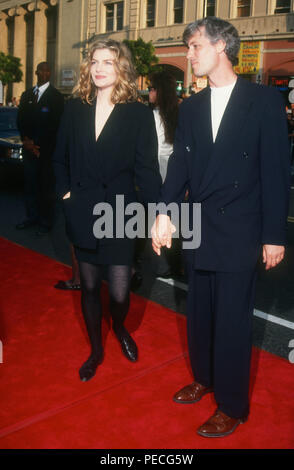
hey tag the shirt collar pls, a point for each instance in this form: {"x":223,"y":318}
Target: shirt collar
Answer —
{"x":42,"y":88}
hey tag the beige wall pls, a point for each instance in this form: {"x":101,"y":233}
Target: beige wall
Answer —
{"x":73,"y":29}
{"x":259,"y":7}
{"x":224,"y":9}
{"x":20,"y":49}
{"x":3,"y":32}
{"x":40,"y":33}
{"x":72,"y":32}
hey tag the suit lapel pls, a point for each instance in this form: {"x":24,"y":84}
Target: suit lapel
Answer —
{"x":202,"y":132}
{"x":202,"y":127}
{"x":87,"y":123}
{"x":229,"y":130}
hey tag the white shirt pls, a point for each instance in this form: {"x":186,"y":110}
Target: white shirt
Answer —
{"x":219,"y":100}
{"x":164,"y":148}
{"x":41,"y":89}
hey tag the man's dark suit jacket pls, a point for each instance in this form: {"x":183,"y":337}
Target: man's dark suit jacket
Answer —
{"x":125,"y":155}
{"x":242,"y":180}
{"x":40,"y":121}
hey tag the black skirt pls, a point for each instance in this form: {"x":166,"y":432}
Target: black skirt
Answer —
{"x":119,"y":252}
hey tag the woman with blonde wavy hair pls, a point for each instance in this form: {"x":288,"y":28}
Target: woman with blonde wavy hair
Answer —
{"x":106,"y":147}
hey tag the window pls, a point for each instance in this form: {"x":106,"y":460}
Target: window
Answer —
{"x":283,"y":6}
{"x":51,"y":14}
{"x":114,"y":16}
{"x":244,"y":7}
{"x":209,"y":8}
{"x":110,"y":17}
{"x":178,"y":11}
{"x":119,"y":16}
{"x":150,"y":13}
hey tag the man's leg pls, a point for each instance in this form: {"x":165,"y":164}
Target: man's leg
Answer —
{"x":199,"y":325}
{"x":199,"y":332}
{"x":46,"y":193}
{"x":31,"y":169}
{"x":234,"y":303}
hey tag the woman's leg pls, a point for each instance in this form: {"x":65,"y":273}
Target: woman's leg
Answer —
{"x":119,"y":278}
{"x":75,"y":268}
{"x":91,"y":278}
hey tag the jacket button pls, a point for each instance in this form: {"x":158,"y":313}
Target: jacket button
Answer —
{"x":236,"y":184}
{"x":245,"y":155}
{"x":221,"y":210}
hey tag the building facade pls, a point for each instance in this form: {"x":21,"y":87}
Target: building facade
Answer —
{"x":266,"y":28}
{"x":44,"y":30}
{"x":60,"y":30}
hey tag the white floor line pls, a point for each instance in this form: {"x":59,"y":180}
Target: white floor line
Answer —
{"x":274,"y":319}
{"x":257,"y":313}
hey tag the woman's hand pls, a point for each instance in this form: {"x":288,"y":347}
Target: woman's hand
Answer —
{"x":66,"y":196}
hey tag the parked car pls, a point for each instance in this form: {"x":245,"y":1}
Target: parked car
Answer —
{"x":10,"y":142}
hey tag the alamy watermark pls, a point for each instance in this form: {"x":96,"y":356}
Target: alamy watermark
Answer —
{"x":185,"y":217}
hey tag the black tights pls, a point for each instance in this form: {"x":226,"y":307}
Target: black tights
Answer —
{"x":119,"y":278}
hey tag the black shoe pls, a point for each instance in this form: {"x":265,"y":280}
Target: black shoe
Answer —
{"x":88,"y":369}
{"x":136,"y":281}
{"x":128,"y":345}
{"x":25,"y":224}
{"x":67,"y":285}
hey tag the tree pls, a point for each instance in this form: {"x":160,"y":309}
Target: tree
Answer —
{"x":144,"y":58}
{"x":10,"y":69}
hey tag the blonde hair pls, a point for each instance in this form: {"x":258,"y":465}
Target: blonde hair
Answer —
{"x":125,"y":88}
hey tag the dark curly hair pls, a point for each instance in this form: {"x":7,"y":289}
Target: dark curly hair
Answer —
{"x":166,"y":101}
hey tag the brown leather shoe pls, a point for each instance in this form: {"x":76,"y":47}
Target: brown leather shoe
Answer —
{"x":219,"y":425}
{"x":191,"y":393}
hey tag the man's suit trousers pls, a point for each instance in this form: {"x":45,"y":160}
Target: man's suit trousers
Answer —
{"x":39,"y":189}
{"x":220,"y":313}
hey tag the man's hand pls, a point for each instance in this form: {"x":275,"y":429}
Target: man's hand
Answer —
{"x":272,"y":255}
{"x":30,"y":146}
{"x":161,"y":232}
{"x":66,"y":196}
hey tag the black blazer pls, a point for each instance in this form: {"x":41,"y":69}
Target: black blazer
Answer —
{"x":124,"y":156}
{"x":242,"y":180}
{"x":40,"y":121}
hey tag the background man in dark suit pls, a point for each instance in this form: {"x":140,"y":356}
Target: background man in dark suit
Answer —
{"x":39,"y":113}
{"x":232,"y":155}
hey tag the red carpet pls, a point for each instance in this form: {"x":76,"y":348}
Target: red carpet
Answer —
{"x":126,"y":406}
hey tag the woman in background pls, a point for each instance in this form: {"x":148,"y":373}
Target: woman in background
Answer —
{"x":106,"y":147}
{"x":164,"y":102}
